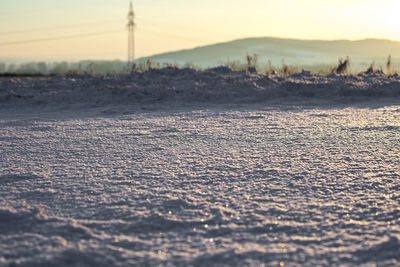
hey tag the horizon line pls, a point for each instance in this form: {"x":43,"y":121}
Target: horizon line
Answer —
{"x":27,"y":59}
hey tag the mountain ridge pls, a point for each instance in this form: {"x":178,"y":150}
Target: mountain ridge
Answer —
{"x":289,"y":50}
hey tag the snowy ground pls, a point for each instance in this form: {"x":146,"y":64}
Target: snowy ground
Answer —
{"x":172,"y":85}
{"x":90,"y":179}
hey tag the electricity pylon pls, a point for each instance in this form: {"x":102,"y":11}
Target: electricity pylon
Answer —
{"x":131,"y":36}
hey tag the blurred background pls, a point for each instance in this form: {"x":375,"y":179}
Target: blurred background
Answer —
{"x":87,"y":31}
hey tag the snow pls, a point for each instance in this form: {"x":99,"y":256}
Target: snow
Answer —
{"x":94,"y":171}
{"x":186,"y":85}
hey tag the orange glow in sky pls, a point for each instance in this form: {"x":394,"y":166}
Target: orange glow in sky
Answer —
{"x":167,"y":25}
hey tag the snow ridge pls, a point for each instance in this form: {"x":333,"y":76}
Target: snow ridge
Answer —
{"x":220,"y":84}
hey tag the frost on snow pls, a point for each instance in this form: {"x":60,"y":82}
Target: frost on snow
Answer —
{"x":219,"y":84}
{"x":248,"y":184}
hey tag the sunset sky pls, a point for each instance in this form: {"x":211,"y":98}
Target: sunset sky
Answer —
{"x":167,"y":25}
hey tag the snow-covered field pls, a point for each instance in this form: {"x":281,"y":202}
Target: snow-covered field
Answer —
{"x":115,"y":171}
{"x":221,"y":85}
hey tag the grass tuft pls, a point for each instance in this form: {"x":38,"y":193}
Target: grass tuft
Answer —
{"x":342,"y":66}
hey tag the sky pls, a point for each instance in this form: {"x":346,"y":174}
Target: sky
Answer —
{"x":95,"y":29}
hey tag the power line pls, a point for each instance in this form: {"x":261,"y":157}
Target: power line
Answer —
{"x":57,"y":28}
{"x":172,"y":36}
{"x":61,"y":37}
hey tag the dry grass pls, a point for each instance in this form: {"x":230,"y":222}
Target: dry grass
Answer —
{"x":250,"y":64}
{"x":389,"y":64}
{"x":343,"y":66}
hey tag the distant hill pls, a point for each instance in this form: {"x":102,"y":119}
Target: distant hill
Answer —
{"x":290,"y":51}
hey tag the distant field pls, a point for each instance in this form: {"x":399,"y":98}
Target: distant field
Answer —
{"x":269,"y":54}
